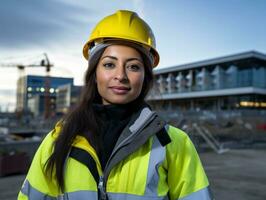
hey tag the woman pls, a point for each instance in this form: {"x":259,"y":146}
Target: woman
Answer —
{"x":112,"y":145}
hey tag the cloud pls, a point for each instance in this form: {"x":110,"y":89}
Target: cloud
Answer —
{"x":8,"y":92}
{"x":38,"y":23}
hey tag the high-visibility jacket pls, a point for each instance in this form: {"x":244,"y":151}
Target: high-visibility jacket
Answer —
{"x":150,"y":161}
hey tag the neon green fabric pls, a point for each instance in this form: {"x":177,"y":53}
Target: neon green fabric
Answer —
{"x":185,"y":172}
{"x":150,"y":172}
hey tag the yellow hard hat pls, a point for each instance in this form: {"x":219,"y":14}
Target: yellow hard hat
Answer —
{"x":123,"y":25}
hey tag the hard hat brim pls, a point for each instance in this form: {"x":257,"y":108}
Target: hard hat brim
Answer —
{"x":156,"y":57}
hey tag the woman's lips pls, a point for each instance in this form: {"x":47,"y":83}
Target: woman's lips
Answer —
{"x":119,"y":89}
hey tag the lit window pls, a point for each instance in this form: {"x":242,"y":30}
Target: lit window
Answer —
{"x":263,"y":104}
{"x":52,"y":90}
{"x":37,"y":89}
{"x":29,"y":89}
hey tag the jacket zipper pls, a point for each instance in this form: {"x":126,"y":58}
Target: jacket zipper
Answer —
{"x":103,"y":195}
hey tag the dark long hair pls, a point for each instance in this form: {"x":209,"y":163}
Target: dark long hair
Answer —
{"x":82,"y":120}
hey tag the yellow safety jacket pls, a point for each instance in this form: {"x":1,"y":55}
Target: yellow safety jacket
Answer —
{"x":150,"y":161}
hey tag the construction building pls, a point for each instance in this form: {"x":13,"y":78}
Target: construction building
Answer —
{"x":66,"y":97}
{"x":32,"y":92}
{"x":226,"y":83}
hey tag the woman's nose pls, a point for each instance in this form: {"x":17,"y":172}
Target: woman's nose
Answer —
{"x":121,"y":74}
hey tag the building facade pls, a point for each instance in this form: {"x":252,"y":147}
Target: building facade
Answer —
{"x":67,"y":96}
{"x":33,"y":91}
{"x":231,"y":82}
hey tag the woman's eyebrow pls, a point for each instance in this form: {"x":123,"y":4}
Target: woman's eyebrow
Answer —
{"x":127,"y":60}
{"x":138,"y":59}
{"x":112,"y":57}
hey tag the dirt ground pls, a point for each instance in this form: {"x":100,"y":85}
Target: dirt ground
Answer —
{"x":236,"y":175}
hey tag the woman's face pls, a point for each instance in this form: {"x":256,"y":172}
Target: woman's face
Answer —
{"x":119,"y":74}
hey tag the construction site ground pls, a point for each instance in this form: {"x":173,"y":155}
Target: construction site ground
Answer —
{"x":238,"y":174}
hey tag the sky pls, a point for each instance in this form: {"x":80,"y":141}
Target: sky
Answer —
{"x":185,"y":31}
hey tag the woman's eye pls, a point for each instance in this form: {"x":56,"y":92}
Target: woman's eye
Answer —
{"x":108,"y":65}
{"x":134,"y":67}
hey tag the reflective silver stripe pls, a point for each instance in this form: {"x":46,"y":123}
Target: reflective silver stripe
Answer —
{"x":144,"y":115}
{"x":80,"y":195}
{"x":157,"y":157}
{"x":34,"y":194}
{"x":119,"y":196}
{"x":203,"y":194}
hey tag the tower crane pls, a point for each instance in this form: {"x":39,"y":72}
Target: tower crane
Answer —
{"x":44,"y":63}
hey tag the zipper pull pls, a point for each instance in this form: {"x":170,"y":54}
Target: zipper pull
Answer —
{"x":103,"y":195}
